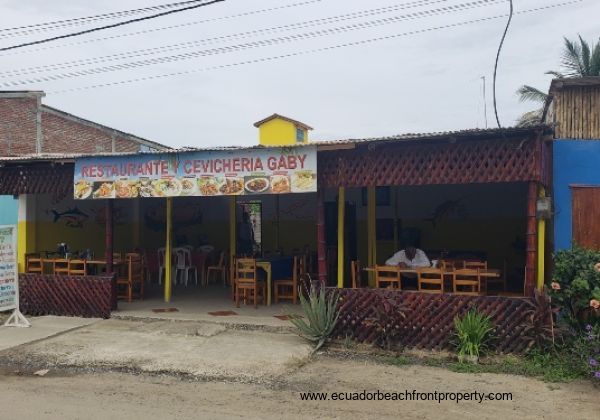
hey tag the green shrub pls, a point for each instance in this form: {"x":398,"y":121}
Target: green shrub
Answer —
{"x":575,"y":285}
{"x":472,"y":332}
{"x":321,"y":311}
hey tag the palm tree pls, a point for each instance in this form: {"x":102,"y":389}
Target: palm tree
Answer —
{"x":578,"y":60}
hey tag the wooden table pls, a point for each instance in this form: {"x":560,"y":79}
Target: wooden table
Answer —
{"x":487,"y":273}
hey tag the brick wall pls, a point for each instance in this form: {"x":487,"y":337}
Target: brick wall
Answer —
{"x":17,"y":125}
{"x":61,"y":132}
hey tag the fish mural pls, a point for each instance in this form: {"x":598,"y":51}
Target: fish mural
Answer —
{"x":72,"y":217}
{"x":447,"y":209}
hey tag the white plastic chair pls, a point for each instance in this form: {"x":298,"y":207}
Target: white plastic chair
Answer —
{"x":161,"y":266}
{"x":183,"y":257}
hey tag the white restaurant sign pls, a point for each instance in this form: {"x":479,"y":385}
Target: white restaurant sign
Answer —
{"x":9,"y":277}
{"x":265,"y":170}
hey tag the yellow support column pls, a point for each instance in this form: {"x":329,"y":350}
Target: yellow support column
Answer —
{"x":26,"y":240}
{"x":168,"y":250}
{"x":541,"y":246}
{"x":341,"y":224}
{"x":232,"y":236}
{"x":371,"y":233}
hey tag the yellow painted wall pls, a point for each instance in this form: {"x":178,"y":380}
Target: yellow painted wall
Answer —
{"x":278,"y":132}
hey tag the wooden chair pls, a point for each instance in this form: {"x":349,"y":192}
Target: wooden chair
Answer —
{"x":473,"y":265}
{"x":448,"y":265}
{"x":355,"y":273}
{"x":126,"y":284}
{"x":466,"y":282}
{"x":34,"y":264}
{"x":77,"y":268}
{"x":288,"y":288}
{"x":60,"y":266}
{"x":387,"y":274}
{"x":247,"y":281}
{"x":117,"y":256}
{"x":220,"y":268}
{"x":430,"y":280}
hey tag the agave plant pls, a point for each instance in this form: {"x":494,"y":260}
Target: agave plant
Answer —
{"x":321,"y":311}
{"x":472,"y":331}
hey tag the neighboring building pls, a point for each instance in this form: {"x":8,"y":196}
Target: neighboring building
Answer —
{"x":29,"y":127}
{"x":574,"y":107}
{"x":278,"y":130}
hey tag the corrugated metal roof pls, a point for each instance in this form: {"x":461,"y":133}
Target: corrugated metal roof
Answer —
{"x":326,"y":144}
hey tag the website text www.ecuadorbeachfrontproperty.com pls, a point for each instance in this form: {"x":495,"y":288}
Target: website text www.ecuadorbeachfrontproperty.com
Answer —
{"x":407,"y":395}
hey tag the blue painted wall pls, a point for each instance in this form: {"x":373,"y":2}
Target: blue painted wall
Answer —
{"x":576,"y":162}
{"x":8,"y":210}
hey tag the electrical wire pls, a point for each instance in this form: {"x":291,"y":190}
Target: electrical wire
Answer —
{"x":182,"y":25}
{"x":510,"y":15}
{"x":114,"y":25}
{"x":257,"y":44}
{"x":216,"y":19}
{"x":108,"y":15}
{"x":208,"y":41}
{"x":311,"y":51}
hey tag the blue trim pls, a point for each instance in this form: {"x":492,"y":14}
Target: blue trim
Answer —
{"x":8,"y":210}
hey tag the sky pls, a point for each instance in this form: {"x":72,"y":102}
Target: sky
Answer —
{"x":348,"y":68}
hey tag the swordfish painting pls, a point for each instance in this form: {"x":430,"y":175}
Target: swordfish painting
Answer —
{"x":447,"y":209}
{"x":73,"y":217}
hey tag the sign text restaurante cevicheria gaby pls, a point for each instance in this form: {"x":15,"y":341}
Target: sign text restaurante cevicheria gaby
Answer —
{"x":201,"y":173}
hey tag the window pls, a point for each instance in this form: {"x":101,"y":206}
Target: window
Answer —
{"x":299,"y":135}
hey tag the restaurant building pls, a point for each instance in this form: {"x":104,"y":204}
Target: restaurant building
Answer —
{"x":462,"y":195}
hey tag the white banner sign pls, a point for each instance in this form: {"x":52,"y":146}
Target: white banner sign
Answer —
{"x":9,"y":282}
{"x":9,"y":277}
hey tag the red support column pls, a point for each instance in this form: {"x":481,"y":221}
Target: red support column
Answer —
{"x":531,"y":239}
{"x":108,"y":249}
{"x":321,"y":245}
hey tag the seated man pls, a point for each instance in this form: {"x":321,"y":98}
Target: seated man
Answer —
{"x":410,"y":257}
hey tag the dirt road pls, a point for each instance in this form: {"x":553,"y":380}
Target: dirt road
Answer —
{"x":60,"y":395}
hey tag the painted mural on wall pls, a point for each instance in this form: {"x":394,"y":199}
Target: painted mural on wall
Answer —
{"x":205,"y":173}
{"x":449,"y":209}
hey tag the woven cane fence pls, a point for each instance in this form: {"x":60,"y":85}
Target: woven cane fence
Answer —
{"x":84,"y":296}
{"x":428,"y":321}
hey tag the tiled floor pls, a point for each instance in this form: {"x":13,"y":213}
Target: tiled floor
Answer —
{"x":208,"y":303}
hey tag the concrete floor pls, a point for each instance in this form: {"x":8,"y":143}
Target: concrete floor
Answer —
{"x":193,"y":303}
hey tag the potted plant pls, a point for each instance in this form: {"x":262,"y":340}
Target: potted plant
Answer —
{"x":472,"y":332}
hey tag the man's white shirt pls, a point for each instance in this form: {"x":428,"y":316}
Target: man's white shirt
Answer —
{"x":420,"y":259}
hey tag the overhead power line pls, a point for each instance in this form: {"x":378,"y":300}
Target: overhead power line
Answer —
{"x":45,"y":26}
{"x":114,"y":25}
{"x":208,"y":41}
{"x":510,"y":15}
{"x":182,"y":25}
{"x":311,"y":51}
{"x":257,"y":44}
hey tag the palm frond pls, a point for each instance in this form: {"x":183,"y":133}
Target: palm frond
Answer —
{"x":585,"y":57}
{"x":595,"y":60}
{"x":529,"y":93}
{"x":530,"y":118}
{"x":555,"y":73}
{"x":571,"y":59}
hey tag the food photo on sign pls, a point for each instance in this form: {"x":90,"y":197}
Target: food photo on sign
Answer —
{"x":198,"y":173}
